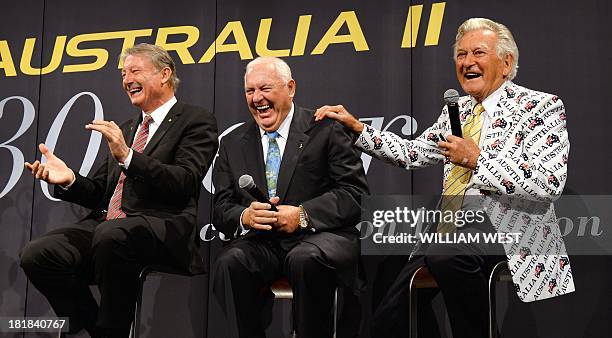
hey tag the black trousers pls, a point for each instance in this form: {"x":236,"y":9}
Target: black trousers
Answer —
{"x":461,"y":271}
{"x":63,"y":263}
{"x":247,"y":266}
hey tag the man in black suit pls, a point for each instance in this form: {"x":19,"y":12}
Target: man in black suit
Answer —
{"x":313,"y":177}
{"x":143,"y":197}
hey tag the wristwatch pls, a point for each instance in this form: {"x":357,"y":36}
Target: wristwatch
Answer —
{"x":304,"y":221}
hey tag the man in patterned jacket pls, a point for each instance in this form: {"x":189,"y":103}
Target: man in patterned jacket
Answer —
{"x":514,"y":149}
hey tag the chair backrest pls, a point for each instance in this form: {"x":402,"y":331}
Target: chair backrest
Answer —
{"x":423,"y":279}
{"x":281,"y":289}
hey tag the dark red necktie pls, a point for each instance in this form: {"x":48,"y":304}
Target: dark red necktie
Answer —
{"x":114,"y":207}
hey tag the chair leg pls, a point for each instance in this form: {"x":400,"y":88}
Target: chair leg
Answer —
{"x":492,"y":312}
{"x":293,"y":333}
{"x":135,"y":330}
{"x":412,"y":311}
{"x":335,"y":312}
{"x":492,"y":301}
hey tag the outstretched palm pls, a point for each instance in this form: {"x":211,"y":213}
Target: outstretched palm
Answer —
{"x":54,"y":171}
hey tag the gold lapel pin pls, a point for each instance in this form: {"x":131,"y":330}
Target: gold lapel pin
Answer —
{"x":301,"y":145}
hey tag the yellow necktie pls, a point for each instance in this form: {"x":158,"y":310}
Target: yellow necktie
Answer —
{"x":458,"y":178}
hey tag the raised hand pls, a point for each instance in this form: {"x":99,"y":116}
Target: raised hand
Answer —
{"x":114,"y":137}
{"x":54,"y":171}
{"x":340,"y":114}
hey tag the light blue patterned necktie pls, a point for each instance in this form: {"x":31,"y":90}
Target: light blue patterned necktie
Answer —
{"x":273,"y":161}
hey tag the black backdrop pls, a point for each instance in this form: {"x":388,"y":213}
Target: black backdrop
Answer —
{"x":368,"y":65}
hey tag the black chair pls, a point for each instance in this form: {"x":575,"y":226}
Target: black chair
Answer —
{"x":142,"y":278}
{"x":422,"y":279}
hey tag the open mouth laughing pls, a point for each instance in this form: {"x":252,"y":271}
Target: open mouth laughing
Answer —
{"x":472,"y":75}
{"x":264,"y":110}
{"x":134,"y":89}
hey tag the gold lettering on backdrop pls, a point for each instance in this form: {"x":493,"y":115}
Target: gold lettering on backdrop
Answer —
{"x":435,"y":24}
{"x":261,"y":44}
{"x":231,"y":39}
{"x":301,"y":35}
{"x":413,"y":20}
{"x":241,"y":45}
{"x":6,"y":60}
{"x":181,"y":48}
{"x":101,"y":55}
{"x":355,"y":34}
{"x":411,"y":30}
{"x":28,"y":51}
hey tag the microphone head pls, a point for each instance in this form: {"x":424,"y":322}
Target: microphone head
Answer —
{"x":246,"y":182}
{"x":451,"y":96}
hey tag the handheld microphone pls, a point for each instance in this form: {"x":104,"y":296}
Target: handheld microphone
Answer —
{"x":451,"y":97}
{"x":246,"y":182}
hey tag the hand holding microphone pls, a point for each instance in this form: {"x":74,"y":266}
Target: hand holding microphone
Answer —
{"x":460,"y":151}
{"x":261,"y":214}
{"x":451,"y":97}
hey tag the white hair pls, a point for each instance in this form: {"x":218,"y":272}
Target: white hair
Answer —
{"x":280,"y":67}
{"x":505,"y":41}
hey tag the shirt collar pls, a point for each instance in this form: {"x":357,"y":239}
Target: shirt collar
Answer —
{"x":490,"y":102}
{"x":283,"y":130}
{"x":160,"y":113}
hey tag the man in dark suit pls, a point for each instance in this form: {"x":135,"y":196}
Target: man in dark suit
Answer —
{"x":143,"y":197}
{"x":313,"y":177}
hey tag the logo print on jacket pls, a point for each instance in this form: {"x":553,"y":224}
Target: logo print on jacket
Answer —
{"x":534,"y":122}
{"x":509,"y":186}
{"x":413,"y":156}
{"x":546,"y":231}
{"x":538,"y":269}
{"x":377,"y":142}
{"x":552,"y":139}
{"x":553,"y":180}
{"x":531,"y":104}
{"x":524,"y":252}
{"x":495,"y":144}
{"x":526,"y":171}
{"x":551,"y":285}
{"x":500,"y":123}
{"x":518,"y":137}
{"x":433,"y":137}
{"x":526,"y":219}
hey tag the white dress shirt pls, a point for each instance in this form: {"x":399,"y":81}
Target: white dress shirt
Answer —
{"x":158,"y":116}
{"x":281,"y":140}
{"x":490,"y":105}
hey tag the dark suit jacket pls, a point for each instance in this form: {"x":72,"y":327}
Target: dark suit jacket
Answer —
{"x":162,"y":184}
{"x":320,"y":170}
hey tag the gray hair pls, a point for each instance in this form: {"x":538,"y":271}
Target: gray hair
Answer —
{"x":505,"y":41}
{"x":280,"y":67}
{"x":159,"y":57}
